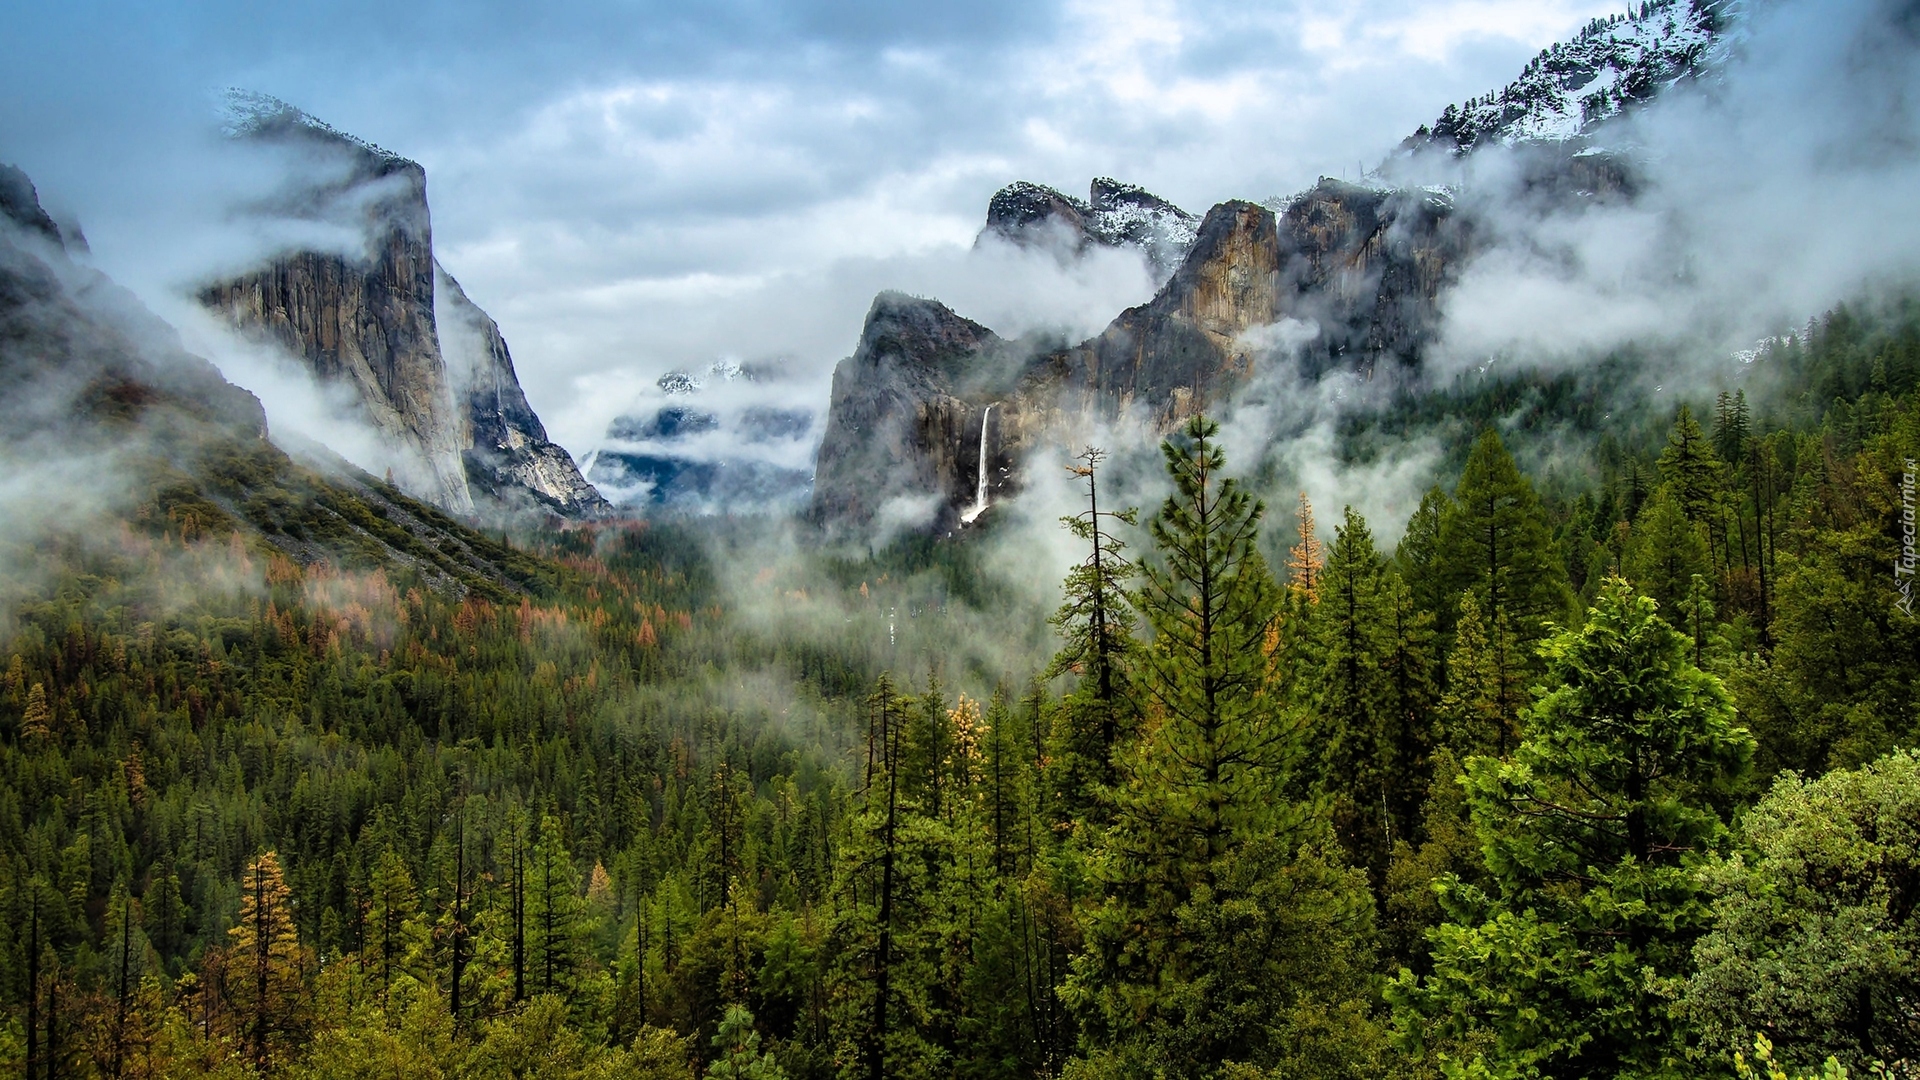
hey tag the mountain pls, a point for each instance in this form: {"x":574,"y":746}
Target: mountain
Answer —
{"x":1342,"y":276}
{"x":1113,"y":215}
{"x":372,"y":319}
{"x":1359,"y":270}
{"x":907,"y":417}
{"x":110,"y":420}
{"x":1611,"y":66}
{"x":725,"y":441}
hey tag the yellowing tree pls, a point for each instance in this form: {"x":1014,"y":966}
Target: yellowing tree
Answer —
{"x":266,"y":968}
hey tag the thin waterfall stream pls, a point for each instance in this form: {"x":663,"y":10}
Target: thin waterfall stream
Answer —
{"x":980,"y":490}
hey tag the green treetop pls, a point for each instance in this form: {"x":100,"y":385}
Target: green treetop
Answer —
{"x":1592,"y":835}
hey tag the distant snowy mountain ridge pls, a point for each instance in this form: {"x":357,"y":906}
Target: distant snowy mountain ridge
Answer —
{"x":1612,"y":65}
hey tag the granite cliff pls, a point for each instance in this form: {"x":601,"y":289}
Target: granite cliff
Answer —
{"x":372,"y":320}
{"x":115,"y":431}
{"x":1360,"y":271}
{"x":508,"y":458}
{"x":1340,"y":277}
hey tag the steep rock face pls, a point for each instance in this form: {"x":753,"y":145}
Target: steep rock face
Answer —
{"x":368,"y":320}
{"x":372,"y":320}
{"x":1113,"y":215}
{"x":20,"y":203}
{"x":1360,"y":269}
{"x":507,"y":454}
{"x":80,"y":356}
{"x":1184,"y":348}
{"x":1365,"y":268}
{"x":906,"y":418}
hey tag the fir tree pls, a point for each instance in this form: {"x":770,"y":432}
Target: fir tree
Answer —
{"x":1418,"y":558}
{"x":1592,"y":836}
{"x":1495,"y":542}
{"x":1209,"y":880}
{"x":1096,"y":625}
{"x":268,"y":967}
{"x":1305,"y":559}
{"x":1665,"y":551}
{"x":1689,"y":466}
{"x":1356,"y":697}
{"x":737,"y":1047}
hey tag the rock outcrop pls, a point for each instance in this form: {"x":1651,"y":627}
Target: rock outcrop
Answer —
{"x":370,"y":319}
{"x":907,"y":417}
{"x":117,"y":436}
{"x":1113,"y":215}
{"x":508,"y":457}
{"x":79,"y":354}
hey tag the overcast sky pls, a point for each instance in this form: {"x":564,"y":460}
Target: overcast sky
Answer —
{"x":630,"y":187}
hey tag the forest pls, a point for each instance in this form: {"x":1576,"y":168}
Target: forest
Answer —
{"x":1609,"y":777}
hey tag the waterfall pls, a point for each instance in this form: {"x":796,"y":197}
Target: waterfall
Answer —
{"x":980,"y":491}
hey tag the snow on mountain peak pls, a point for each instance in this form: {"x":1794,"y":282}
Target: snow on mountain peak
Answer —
{"x":245,"y":113}
{"x":1608,"y":67}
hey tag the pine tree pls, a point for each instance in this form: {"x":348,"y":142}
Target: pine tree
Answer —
{"x":885,"y":967}
{"x":36,"y":722}
{"x":1355,"y":695}
{"x":1486,"y":685}
{"x":1210,"y":881}
{"x":394,"y":934}
{"x":1592,"y":835}
{"x":557,"y":927}
{"x":1418,"y":558}
{"x":1665,"y":551}
{"x":1096,"y":625}
{"x":1305,"y":559}
{"x":1495,"y":541}
{"x":268,"y":968}
{"x":737,"y":1047}
{"x":1690,"y":467}
{"x":1731,"y":425}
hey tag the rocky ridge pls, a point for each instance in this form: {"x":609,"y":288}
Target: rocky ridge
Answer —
{"x":1342,"y":276}
{"x":1357,"y":270}
{"x":1113,"y":215}
{"x":119,"y":430}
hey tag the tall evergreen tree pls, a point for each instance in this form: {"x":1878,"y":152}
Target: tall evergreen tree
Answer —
{"x":1209,"y":879}
{"x":1665,"y":551}
{"x":1592,"y":835}
{"x":1691,"y":468}
{"x":1495,"y":541}
{"x":557,"y":925}
{"x":1096,"y":625}
{"x":269,"y":970}
{"x":1418,"y":558}
{"x":1355,"y":698}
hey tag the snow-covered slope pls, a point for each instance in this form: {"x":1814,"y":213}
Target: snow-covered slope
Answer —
{"x":1610,"y":66}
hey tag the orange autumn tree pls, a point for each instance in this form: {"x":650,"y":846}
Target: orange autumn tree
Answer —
{"x":1305,"y":558}
{"x":265,"y":969}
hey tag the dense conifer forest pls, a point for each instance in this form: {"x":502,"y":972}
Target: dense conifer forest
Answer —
{"x":1612,"y":777}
